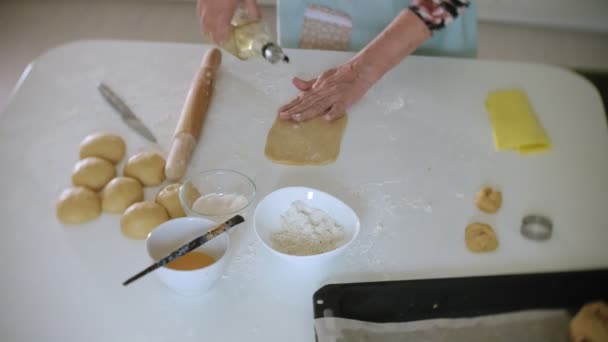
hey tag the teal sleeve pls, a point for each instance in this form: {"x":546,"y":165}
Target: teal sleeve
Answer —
{"x":458,"y":39}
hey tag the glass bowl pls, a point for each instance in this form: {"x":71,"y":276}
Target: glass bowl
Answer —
{"x":217,"y":195}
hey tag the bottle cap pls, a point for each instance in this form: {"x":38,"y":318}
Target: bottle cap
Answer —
{"x":273,"y":53}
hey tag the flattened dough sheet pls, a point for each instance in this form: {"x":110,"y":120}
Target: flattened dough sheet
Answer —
{"x":313,"y":142}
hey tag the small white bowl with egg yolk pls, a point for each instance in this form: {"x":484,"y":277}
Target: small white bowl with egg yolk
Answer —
{"x":196,"y":272}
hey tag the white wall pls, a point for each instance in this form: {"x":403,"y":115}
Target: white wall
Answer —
{"x":585,"y":15}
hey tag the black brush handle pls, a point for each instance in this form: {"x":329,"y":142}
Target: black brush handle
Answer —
{"x":190,"y":246}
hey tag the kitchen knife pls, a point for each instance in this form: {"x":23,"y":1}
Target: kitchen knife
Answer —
{"x":125,"y":112}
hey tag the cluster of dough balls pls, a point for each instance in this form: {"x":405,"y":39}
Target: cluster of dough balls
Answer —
{"x":97,"y":187}
{"x":120,"y":194}
{"x":480,"y":237}
{"x":98,"y":154}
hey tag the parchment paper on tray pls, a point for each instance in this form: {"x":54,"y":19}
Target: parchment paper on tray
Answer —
{"x":523,"y":326}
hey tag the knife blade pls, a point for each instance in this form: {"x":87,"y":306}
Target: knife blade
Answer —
{"x":125,"y":112}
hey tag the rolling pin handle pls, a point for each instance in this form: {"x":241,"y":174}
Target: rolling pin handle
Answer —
{"x":189,"y":126}
{"x":177,"y":161}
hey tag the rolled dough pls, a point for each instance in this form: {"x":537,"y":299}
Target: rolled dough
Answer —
{"x":313,"y":142}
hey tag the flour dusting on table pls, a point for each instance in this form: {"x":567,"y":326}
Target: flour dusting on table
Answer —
{"x":306,"y":231}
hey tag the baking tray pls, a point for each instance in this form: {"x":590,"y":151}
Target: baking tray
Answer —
{"x":411,"y":300}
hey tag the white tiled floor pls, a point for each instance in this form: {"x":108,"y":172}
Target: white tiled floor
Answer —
{"x":29,"y":27}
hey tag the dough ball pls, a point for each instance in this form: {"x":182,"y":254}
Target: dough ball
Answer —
{"x":146,"y":167}
{"x":93,"y":173}
{"x":103,"y":145}
{"x":591,"y":323}
{"x":141,"y":218}
{"x":120,"y":193}
{"x":488,"y":200}
{"x":480,"y":237}
{"x":191,"y":194}
{"x":78,"y":205}
{"x":168,"y":197}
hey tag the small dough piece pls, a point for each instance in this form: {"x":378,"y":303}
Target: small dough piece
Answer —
{"x":488,"y":200}
{"x":108,"y":146}
{"x":480,"y":237}
{"x":591,"y":323}
{"x":191,"y":194}
{"x":168,"y":197}
{"x":77,"y":205}
{"x":93,"y":173}
{"x":141,"y":218}
{"x":146,"y":167}
{"x":313,"y":142}
{"x":120,"y":193}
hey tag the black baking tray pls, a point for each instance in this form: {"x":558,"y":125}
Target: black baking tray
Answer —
{"x":412,"y":300}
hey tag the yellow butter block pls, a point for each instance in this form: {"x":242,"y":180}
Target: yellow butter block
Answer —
{"x":514,"y":123}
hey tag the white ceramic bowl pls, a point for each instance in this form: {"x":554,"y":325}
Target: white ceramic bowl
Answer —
{"x":172,"y":234}
{"x":267,"y":218}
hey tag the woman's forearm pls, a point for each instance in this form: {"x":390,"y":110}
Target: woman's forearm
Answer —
{"x":398,"y":40}
{"x":332,"y":93}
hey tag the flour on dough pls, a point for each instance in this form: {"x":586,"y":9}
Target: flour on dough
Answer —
{"x":313,"y":142}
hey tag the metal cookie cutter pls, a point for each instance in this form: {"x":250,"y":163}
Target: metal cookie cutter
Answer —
{"x":536,"y":227}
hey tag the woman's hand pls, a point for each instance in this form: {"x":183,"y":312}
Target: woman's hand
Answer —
{"x":330,"y":94}
{"x":337,"y":89}
{"x":215,"y":16}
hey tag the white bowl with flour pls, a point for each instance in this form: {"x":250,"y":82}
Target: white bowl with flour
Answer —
{"x":305,"y":225}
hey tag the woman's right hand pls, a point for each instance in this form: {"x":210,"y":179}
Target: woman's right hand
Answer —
{"x":215,"y":16}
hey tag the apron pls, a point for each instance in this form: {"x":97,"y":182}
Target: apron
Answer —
{"x":369,"y":18}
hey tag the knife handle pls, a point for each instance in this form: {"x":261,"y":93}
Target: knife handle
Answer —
{"x":193,"y":115}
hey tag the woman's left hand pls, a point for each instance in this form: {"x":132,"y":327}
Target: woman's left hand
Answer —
{"x":330,"y":94}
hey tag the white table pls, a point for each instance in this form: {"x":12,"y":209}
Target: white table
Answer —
{"x":415,"y":152}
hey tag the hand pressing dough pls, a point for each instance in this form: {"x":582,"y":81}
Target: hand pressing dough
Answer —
{"x":313,"y":142}
{"x":146,"y":167}
{"x":480,"y":237}
{"x":141,"y":218}
{"x":120,"y":193}
{"x":77,"y":205}
{"x":168,"y":197}
{"x":591,"y":323}
{"x":103,"y":145}
{"x":488,"y":200}
{"x":93,"y":173}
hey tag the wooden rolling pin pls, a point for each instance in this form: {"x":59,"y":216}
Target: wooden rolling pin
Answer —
{"x":193,"y":115}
